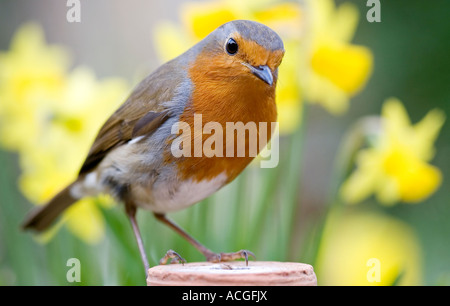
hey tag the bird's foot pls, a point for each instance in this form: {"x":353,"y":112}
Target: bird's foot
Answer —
{"x":219,"y":257}
{"x":174,"y":258}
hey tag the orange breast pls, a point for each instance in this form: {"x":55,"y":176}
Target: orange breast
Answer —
{"x":225,"y":92}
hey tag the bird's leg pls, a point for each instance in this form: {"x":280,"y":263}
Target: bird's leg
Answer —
{"x":204,"y":250}
{"x":209,"y":255}
{"x":131,"y":212}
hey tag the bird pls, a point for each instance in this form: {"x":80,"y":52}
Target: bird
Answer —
{"x":229,"y":76}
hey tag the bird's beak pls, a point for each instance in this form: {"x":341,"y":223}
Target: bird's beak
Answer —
{"x":262,"y":72}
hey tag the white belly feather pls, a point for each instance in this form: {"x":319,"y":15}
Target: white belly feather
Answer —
{"x":167,"y":197}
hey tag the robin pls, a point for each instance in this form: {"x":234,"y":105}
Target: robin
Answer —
{"x":229,"y":76}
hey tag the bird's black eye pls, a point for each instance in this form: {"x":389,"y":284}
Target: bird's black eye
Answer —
{"x":232,"y":46}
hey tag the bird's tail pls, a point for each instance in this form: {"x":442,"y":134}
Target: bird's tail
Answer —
{"x":42,"y":217}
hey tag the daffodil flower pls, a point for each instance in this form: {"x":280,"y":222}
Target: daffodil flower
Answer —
{"x":367,"y":249}
{"x":396,"y":167}
{"x":31,"y":76}
{"x":50,"y":116}
{"x":334,"y":69}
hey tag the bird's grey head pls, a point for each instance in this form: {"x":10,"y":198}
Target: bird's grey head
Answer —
{"x":254,"y":31}
{"x":250,"y":44}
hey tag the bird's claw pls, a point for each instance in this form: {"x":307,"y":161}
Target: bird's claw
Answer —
{"x":174,"y":257}
{"x":219,"y":257}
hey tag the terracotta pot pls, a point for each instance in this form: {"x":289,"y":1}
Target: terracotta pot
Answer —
{"x":257,"y":273}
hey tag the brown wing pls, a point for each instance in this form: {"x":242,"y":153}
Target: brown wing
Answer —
{"x":141,"y":114}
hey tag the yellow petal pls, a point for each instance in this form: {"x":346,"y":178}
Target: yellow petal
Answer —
{"x":31,"y":76}
{"x":285,"y":18}
{"x":288,"y":95}
{"x":358,"y":187}
{"x":396,"y":117}
{"x":363,"y":181}
{"x":333,"y":70}
{"x":415,"y":179}
{"x":346,"y":66}
{"x":419,"y":182}
{"x":283,"y":12}
{"x":426,"y":133}
{"x":105,"y":201}
{"x":345,"y":22}
{"x":203,"y":18}
{"x":85,"y":221}
{"x":387,"y":191}
{"x":337,"y":24}
{"x":289,"y":116}
{"x":345,"y":254}
{"x":320,"y":12}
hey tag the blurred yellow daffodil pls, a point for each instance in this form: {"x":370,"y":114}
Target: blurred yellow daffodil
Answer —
{"x":50,"y":116}
{"x":366,"y":249}
{"x":31,"y":76}
{"x":334,"y":69}
{"x":201,"y":18}
{"x":396,"y":167}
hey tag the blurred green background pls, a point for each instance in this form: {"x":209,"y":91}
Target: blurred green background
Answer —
{"x":276,"y":213}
